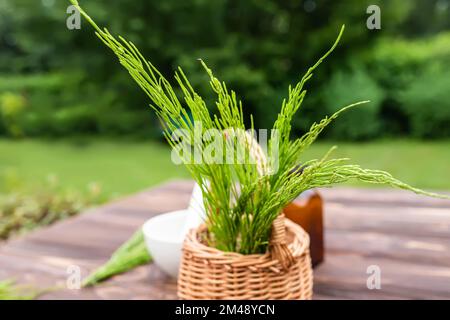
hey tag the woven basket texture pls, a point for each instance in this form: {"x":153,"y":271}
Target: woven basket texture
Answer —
{"x":284,"y":272}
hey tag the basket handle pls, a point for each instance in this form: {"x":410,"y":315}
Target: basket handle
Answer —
{"x":278,"y":246}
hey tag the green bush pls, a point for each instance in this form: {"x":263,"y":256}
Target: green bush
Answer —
{"x":31,"y":103}
{"x":12,"y":105}
{"x":345,"y":88}
{"x":75,"y":119}
{"x":399,"y":66}
{"x":427,"y":104}
{"x":62,"y":104}
{"x":126,"y":122}
{"x":395,"y":62}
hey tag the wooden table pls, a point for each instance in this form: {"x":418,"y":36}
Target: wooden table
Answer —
{"x":405,"y":235}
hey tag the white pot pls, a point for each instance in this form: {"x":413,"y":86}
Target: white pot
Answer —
{"x":164,"y":236}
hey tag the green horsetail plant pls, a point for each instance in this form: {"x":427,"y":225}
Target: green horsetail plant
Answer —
{"x":131,"y":254}
{"x":9,"y":290}
{"x":241,"y":200}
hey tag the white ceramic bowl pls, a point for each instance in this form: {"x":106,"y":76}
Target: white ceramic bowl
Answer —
{"x":164,"y":239}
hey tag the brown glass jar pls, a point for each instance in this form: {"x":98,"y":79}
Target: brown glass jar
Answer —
{"x":307,"y":211}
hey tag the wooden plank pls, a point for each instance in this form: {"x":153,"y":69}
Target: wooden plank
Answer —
{"x":417,"y":250}
{"x":425,"y":222}
{"x":345,"y":275}
{"x":145,"y":282}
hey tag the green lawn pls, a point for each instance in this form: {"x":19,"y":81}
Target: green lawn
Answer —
{"x":122,"y":167}
{"x":118,"y":167}
{"x":421,"y":164}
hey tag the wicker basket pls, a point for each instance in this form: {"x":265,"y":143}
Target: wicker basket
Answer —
{"x":284,"y":272}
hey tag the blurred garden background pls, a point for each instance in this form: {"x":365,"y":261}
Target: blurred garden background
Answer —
{"x":76,"y":131}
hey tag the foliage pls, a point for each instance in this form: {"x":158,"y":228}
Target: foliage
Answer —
{"x":342,"y":88}
{"x":257,"y":191}
{"x":400,"y":66}
{"x":254,"y":45}
{"x":10,"y":291}
{"x":11,"y":106}
{"x":21,"y":212}
{"x":427,"y":105}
